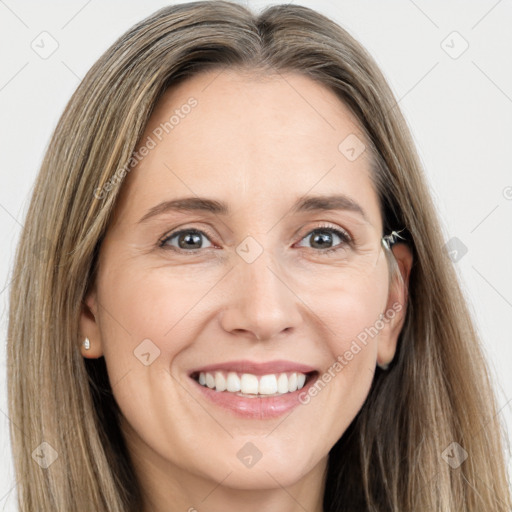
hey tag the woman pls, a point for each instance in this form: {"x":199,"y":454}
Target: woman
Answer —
{"x":188,"y":342}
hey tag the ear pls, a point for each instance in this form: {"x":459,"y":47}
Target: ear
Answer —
{"x":396,"y":307}
{"x":89,"y":327}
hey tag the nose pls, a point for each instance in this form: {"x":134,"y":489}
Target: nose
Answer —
{"x":261,"y":303}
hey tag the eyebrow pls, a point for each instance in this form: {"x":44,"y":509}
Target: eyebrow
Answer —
{"x":303,"y":204}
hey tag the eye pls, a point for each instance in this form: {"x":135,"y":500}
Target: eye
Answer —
{"x":323,"y":237}
{"x":186,"y":239}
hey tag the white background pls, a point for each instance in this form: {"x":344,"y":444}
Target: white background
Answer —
{"x":459,"y":111}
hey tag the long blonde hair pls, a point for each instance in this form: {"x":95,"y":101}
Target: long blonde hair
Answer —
{"x":437,"y":390}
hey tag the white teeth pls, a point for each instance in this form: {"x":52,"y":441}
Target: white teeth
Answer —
{"x":268,"y":385}
{"x":282,"y":383}
{"x":292,"y":382}
{"x":233,"y":383}
{"x":220,"y":382}
{"x":249,"y":384}
{"x":210,"y":381}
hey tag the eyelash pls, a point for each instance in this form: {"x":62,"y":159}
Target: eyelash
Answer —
{"x":345,"y":237}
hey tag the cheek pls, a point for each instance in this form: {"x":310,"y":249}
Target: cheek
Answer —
{"x":148,"y":318}
{"x":353,"y":307}
{"x":138,"y":317}
{"x":147,"y":303}
{"x":350,"y":315}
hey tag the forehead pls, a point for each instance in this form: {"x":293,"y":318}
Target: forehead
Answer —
{"x":251,"y":140}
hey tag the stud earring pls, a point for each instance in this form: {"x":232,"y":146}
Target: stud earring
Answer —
{"x":86,"y":344}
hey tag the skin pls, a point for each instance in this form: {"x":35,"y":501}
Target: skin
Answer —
{"x":258,"y":144}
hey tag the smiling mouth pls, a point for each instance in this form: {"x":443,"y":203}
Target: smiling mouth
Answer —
{"x":254,"y":386}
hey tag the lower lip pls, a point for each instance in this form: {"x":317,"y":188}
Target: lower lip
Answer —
{"x":256,"y":408}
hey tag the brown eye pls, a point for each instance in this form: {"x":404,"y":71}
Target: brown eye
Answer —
{"x":185,"y":239}
{"x":327,"y":239}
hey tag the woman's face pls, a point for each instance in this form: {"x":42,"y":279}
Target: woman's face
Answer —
{"x":230,"y":289}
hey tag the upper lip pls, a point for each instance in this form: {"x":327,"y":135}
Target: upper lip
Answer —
{"x":245,"y":366}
